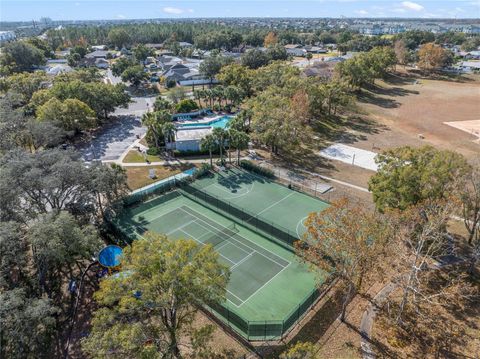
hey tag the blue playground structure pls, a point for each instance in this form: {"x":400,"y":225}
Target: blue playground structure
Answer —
{"x":109,"y":257}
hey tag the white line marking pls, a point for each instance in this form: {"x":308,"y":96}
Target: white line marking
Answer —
{"x":182,"y":226}
{"x":300,"y":223}
{"x":189,"y":235}
{"x":242,"y":260}
{"x":251,"y":295}
{"x":274,"y":204}
{"x":238,"y":306}
{"x":246,"y":245}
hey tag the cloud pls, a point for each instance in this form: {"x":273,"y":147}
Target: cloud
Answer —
{"x":399,"y":10}
{"x":361,"y":12}
{"x":412,"y":6}
{"x":459,"y":9}
{"x":120,"y":16}
{"x":176,"y":10}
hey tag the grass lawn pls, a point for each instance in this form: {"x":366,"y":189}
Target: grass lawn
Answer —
{"x":138,"y":176}
{"x":133,"y":156}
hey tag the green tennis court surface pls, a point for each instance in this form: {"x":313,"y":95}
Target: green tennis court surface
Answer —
{"x":264,"y":198}
{"x":269,"y":289}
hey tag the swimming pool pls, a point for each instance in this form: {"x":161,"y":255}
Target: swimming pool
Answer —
{"x":217,"y":123}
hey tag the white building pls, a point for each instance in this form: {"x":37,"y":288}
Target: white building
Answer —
{"x":6,"y":36}
{"x":187,"y":139}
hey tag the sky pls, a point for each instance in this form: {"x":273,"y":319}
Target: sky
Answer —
{"x":25,"y":10}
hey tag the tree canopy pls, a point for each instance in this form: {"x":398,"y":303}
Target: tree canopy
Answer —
{"x":147,"y":310}
{"x":407,"y":176}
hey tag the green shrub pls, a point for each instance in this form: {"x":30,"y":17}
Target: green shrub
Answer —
{"x":170,"y":83}
{"x":194,"y":153}
{"x":186,"y":105}
{"x":252,"y":167}
{"x":203,"y":170}
{"x":153,"y":151}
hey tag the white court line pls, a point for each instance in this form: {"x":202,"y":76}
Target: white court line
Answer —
{"x":300,"y":222}
{"x":240,"y":299}
{"x":227,"y":191}
{"x":274,"y":204}
{"x":188,"y":234}
{"x":182,"y":226}
{"x":251,"y":295}
{"x":138,"y":234}
{"x":226,"y":239}
{"x":242,"y":260}
{"x":246,"y":245}
{"x":156,"y":217}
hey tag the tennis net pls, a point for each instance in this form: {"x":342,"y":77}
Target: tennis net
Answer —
{"x":280,"y":235}
{"x":220,"y":236}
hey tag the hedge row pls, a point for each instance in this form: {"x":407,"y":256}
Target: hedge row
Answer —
{"x":250,"y":166}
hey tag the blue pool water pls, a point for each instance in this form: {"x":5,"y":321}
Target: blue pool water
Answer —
{"x":219,"y":123}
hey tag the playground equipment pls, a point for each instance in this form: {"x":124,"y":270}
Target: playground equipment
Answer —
{"x":109,"y":257}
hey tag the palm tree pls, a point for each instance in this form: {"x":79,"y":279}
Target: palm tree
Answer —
{"x":219,"y":94}
{"x":209,"y":143}
{"x":151,"y":121}
{"x":198,"y":94}
{"x":168,"y":130}
{"x":220,"y":135}
{"x":209,"y":96}
{"x":238,"y":140}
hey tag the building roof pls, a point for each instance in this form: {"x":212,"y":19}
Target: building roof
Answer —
{"x":471,"y":64}
{"x":292,"y":46}
{"x":192,"y":134}
{"x":96,"y":54}
{"x":58,"y":69}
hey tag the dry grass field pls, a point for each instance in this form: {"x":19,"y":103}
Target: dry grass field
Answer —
{"x":138,"y":176}
{"x":414,"y":111}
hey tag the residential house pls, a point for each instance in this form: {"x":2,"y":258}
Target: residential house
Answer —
{"x":6,"y":36}
{"x":58,"y":69}
{"x":189,"y":139}
{"x":97,"y":54}
{"x":184,"y":44}
{"x":315,"y":49}
{"x":154,"y":46}
{"x":321,"y":69}
{"x":299,"y":52}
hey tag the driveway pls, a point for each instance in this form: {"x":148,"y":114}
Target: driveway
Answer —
{"x":137,"y":107}
{"x":111,"y":78}
{"x":113,"y":140}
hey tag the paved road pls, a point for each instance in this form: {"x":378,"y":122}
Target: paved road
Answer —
{"x":112,"y":79}
{"x":137,"y":107}
{"x":113,"y":140}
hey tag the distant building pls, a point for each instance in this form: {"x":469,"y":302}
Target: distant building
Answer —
{"x":101,"y":63}
{"x":189,"y":139}
{"x":470,"y":66}
{"x":6,"y":36}
{"x":97,"y":54}
{"x":185,"y":44}
{"x":58,"y":69}
{"x":154,"y":46}
{"x":296,"y":52}
{"x":99,"y":47}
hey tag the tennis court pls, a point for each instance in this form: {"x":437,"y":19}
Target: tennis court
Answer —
{"x":269,"y":288}
{"x":263,"y":198}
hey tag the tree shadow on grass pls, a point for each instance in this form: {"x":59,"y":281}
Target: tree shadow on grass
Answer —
{"x":373,"y":99}
{"x":440,"y":76}
{"x":313,"y":329}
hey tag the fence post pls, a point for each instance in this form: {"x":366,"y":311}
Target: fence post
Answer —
{"x":265,"y":331}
